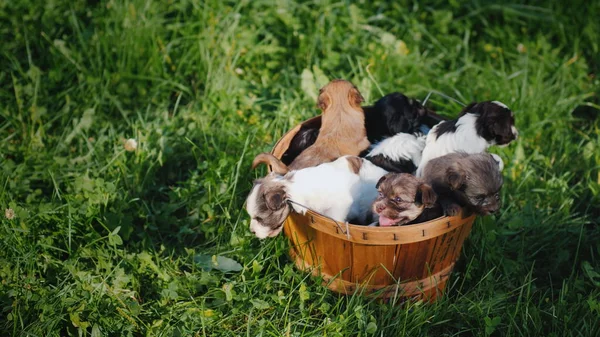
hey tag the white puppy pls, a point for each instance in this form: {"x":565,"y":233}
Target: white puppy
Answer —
{"x":479,"y":126}
{"x":343,"y":190}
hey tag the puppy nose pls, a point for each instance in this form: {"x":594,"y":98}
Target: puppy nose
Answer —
{"x":380,"y":208}
{"x":252,"y":230}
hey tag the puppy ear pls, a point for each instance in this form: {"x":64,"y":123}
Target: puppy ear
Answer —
{"x":381,"y":180}
{"x":498,"y":161}
{"x":354,"y":97}
{"x":323,"y":100}
{"x":425,"y":196}
{"x":455,"y":177}
{"x":469,"y":108}
{"x":275,"y":199}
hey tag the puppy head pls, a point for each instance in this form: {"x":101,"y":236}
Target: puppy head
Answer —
{"x":402,"y":198}
{"x":496,"y":122}
{"x":339,"y":92}
{"x":402,"y":114}
{"x":266,"y":204}
{"x":477,"y":181}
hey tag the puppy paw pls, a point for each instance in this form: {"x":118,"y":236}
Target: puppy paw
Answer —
{"x":452,"y":209}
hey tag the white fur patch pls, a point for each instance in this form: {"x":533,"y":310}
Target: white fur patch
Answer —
{"x":402,"y":146}
{"x":251,"y":206}
{"x":500,"y":104}
{"x":261,"y":231}
{"x":365,"y":192}
{"x":499,"y":161}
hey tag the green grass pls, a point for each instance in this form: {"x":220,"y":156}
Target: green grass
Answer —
{"x":117,"y":243}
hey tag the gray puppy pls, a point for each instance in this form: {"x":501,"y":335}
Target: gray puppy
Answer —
{"x":472,"y":181}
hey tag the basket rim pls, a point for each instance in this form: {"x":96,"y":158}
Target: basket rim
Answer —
{"x":378,"y":235}
{"x":367,"y":234}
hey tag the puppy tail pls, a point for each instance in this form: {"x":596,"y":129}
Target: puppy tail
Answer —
{"x":269,"y":159}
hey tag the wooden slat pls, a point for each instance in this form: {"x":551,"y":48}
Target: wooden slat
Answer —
{"x":373,"y":264}
{"x":335,"y":255}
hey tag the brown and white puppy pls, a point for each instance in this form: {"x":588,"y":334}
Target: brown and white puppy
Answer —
{"x":472,"y":181}
{"x":343,"y":190}
{"x":404,"y":198}
{"x":342,"y":129}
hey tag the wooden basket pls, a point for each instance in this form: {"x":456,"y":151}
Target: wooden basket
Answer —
{"x":411,"y":261}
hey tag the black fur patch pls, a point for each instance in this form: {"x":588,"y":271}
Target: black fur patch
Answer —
{"x":428,"y":214}
{"x":391,"y":114}
{"x":368,"y":220}
{"x":303,"y":139}
{"x":399,"y":166}
{"x":446,"y":127}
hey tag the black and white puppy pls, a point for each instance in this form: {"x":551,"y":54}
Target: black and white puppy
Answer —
{"x":472,"y":181}
{"x":343,"y":189}
{"x":479,"y":126}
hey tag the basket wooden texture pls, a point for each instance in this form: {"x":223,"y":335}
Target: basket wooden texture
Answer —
{"x":407,"y":262}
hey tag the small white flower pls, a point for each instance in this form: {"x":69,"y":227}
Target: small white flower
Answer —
{"x":9,"y":213}
{"x":130,"y":145}
{"x":521,"y":48}
{"x":239,"y":71}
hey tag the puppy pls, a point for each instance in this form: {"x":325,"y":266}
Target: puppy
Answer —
{"x":403,"y":199}
{"x":342,"y":129}
{"x":400,"y":153}
{"x":343,"y":189}
{"x":479,"y":126}
{"x":465,"y":180}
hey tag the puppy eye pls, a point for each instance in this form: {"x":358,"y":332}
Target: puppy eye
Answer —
{"x":481,"y":196}
{"x":398,"y":199}
{"x":259,"y":219}
{"x":497,"y":196}
{"x":380,"y":195}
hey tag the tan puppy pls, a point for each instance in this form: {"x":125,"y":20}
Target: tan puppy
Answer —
{"x":342,"y":129}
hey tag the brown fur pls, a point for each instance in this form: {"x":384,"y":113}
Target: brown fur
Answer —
{"x":405,"y":198}
{"x":355,"y":163}
{"x":276,"y":165}
{"x":342,"y":129}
